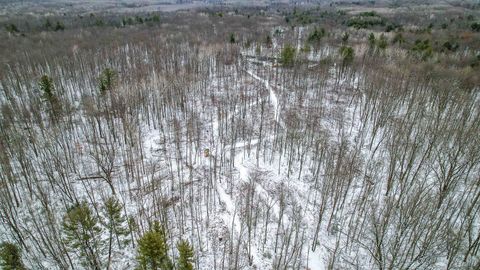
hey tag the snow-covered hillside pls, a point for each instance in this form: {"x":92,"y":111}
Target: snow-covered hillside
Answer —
{"x":322,"y":164}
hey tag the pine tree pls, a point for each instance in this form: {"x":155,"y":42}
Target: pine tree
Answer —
{"x":371,"y":40}
{"x":185,"y":258}
{"x":10,"y":257}
{"x":116,"y":221}
{"x":287,"y":57}
{"x":153,"y":249}
{"x":59,"y":26}
{"x":345,"y":37}
{"x":11,"y":28}
{"x":107,"y":79}
{"x":316,"y":36}
{"x":382,"y":42}
{"x":82,"y":233}
{"x":232,"y":38}
{"x":46,"y":85}
{"x":268,"y":41}
{"x":116,"y":224}
{"x":132,"y":227}
{"x":48,"y":94}
{"x":347,"y":54}
{"x":475,"y":26}
{"x":48,"y":24}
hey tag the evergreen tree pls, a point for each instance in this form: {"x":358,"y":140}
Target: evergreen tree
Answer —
{"x":382,"y":42}
{"x":345,"y":37}
{"x":107,"y":79}
{"x":475,"y":26}
{"x":99,"y":22}
{"x":48,"y":94}
{"x":132,"y":227}
{"x":46,"y":85}
{"x":422,"y":49}
{"x":316,"y":36}
{"x":59,"y":26}
{"x":348,"y":54}
{"x":153,"y":249}
{"x":10,"y":257}
{"x":82,"y":233}
{"x":232,"y":38}
{"x":116,"y":223}
{"x":371,"y":40}
{"x":268,"y":41}
{"x":11,"y":28}
{"x":139,"y":19}
{"x":48,"y":24}
{"x":185,"y":258}
{"x":287,"y":57}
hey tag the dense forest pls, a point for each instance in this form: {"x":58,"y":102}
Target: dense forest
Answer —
{"x":341,"y":136}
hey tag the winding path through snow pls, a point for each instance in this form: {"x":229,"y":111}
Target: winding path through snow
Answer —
{"x":230,"y":214}
{"x":315,"y":261}
{"x":273,"y":96}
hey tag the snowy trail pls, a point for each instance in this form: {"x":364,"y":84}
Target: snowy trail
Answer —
{"x":315,"y":261}
{"x":299,"y":39}
{"x":244,"y":176}
{"x":273,"y":96}
{"x":230,"y":215}
{"x":231,"y":219}
{"x":242,"y":144}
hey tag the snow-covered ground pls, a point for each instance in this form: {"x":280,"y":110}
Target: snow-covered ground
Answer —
{"x":257,"y":165}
